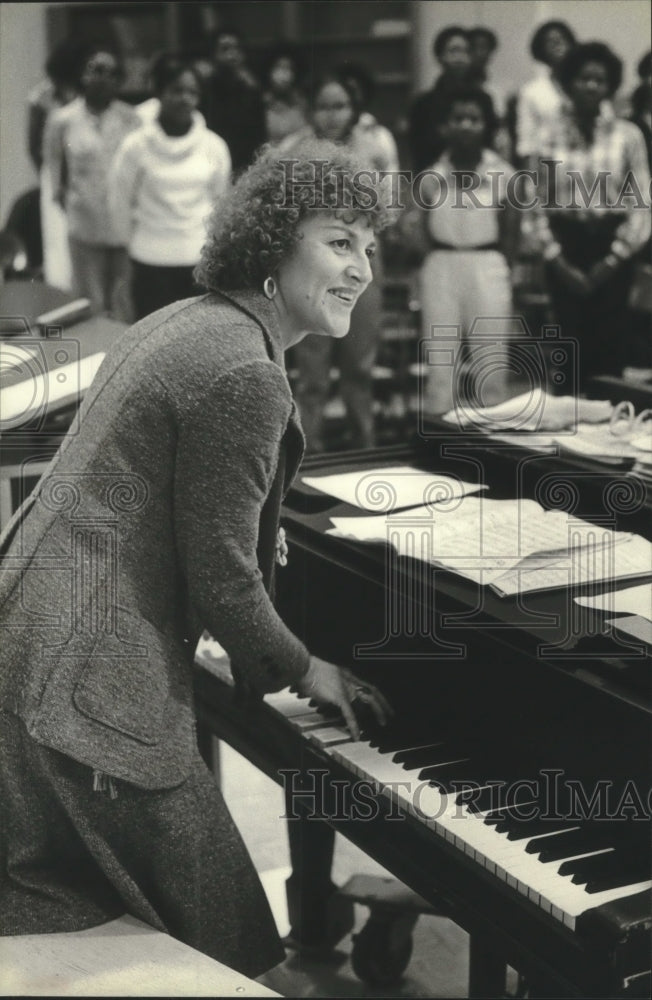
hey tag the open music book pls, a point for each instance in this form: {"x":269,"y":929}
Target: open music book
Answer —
{"x":512,"y":545}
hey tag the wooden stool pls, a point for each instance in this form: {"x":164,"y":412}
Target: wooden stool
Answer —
{"x":122,"y":958}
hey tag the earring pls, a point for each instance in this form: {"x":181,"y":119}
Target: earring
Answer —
{"x":269,"y":287}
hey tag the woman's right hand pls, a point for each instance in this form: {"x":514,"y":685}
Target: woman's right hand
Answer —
{"x":326,"y":683}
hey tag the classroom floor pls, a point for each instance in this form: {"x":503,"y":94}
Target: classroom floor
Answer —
{"x":439,"y":963}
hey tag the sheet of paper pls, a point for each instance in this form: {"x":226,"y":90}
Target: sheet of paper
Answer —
{"x":538,"y":442}
{"x":635,"y":626}
{"x":388,"y":489}
{"x":598,"y":442}
{"x":20,"y":402}
{"x":533,"y":411}
{"x":631,"y":600}
{"x":479,"y":538}
{"x":627,"y":558}
{"x":13,"y":355}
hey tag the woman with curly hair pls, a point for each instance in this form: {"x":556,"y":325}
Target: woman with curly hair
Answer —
{"x":335,"y":113}
{"x":156,"y":520}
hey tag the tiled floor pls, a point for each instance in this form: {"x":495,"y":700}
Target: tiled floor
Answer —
{"x":438,"y":967}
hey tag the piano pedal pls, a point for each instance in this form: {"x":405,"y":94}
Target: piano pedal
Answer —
{"x":383,"y":948}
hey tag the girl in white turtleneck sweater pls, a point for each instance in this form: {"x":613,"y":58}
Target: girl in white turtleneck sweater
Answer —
{"x":164,"y":182}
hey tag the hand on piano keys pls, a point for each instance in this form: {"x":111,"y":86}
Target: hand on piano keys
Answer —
{"x":457,"y":788}
{"x":327,"y":684}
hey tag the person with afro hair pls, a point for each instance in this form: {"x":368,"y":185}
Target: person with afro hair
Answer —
{"x":593,"y":214}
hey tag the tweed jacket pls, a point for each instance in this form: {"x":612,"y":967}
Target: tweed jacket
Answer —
{"x":156,"y":519}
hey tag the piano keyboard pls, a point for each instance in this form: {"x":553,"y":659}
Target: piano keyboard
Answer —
{"x":564,"y":867}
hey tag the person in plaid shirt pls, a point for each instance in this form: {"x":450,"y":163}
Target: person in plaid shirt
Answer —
{"x":593,"y":213}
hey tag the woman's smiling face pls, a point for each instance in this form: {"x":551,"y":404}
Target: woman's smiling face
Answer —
{"x":320,"y":283}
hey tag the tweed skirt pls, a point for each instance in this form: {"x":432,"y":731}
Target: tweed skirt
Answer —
{"x":72,"y":857}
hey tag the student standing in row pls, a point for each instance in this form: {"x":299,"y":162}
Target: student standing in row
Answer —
{"x":465,"y":277}
{"x":80,"y":144}
{"x":452,"y":51}
{"x":540,"y":100}
{"x":164,"y":182}
{"x":589,"y":247}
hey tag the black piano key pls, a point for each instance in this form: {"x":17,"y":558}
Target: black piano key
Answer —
{"x":612,"y":864}
{"x":582,"y":869}
{"x":420,"y":756}
{"x":518,"y":828}
{"x":401,"y":734}
{"x":628,"y":872}
{"x":511,"y":815}
{"x":590,"y":837}
{"x":481,"y":799}
{"x":561,"y":844}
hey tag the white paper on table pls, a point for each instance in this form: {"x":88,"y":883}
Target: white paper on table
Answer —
{"x":631,"y":600}
{"x":14,"y":355}
{"x":20,"y":402}
{"x":635,"y":626}
{"x":481,"y":539}
{"x":387,"y":489}
{"x":598,"y":442}
{"x":629,"y":556}
{"x":533,"y":411}
{"x":531,"y":439}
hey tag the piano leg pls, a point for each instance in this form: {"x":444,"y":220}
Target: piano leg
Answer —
{"x":487,"y":970}
{"x":316,"y":919}
{"x":209,"y":749}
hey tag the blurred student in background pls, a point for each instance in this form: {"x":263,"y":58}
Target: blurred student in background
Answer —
{"x":373,"y":140}
{"x":484,"y":44}
{"x":466,"y":297}
{"x":285,"y":105}
{"x":80,"y":144}
{"x":639,"y":358}
{"x":452,"y":51}
{"x":641,"y":102}
{"x":163,"y":185}
{"x":234,"y":105}
{"x":58,"y":89}
{"x":589,"y":252}
{"x":539,"y":101}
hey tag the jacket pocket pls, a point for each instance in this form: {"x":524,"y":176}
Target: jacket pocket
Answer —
{"x":125,"y":683}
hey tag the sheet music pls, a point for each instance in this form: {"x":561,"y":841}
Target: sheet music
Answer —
{"x":628,"y":557}
{"x":387,"y":489}
{"x":19,"y":402}
{"x":631,"y":600}
{"x":480,"y":538}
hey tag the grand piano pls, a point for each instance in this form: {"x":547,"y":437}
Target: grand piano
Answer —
{"x":512,"y":789}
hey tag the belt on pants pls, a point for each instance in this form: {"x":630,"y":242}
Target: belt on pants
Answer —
{"x":438,"y":245}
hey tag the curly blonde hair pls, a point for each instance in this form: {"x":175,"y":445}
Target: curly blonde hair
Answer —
{"x":255,"y":225}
